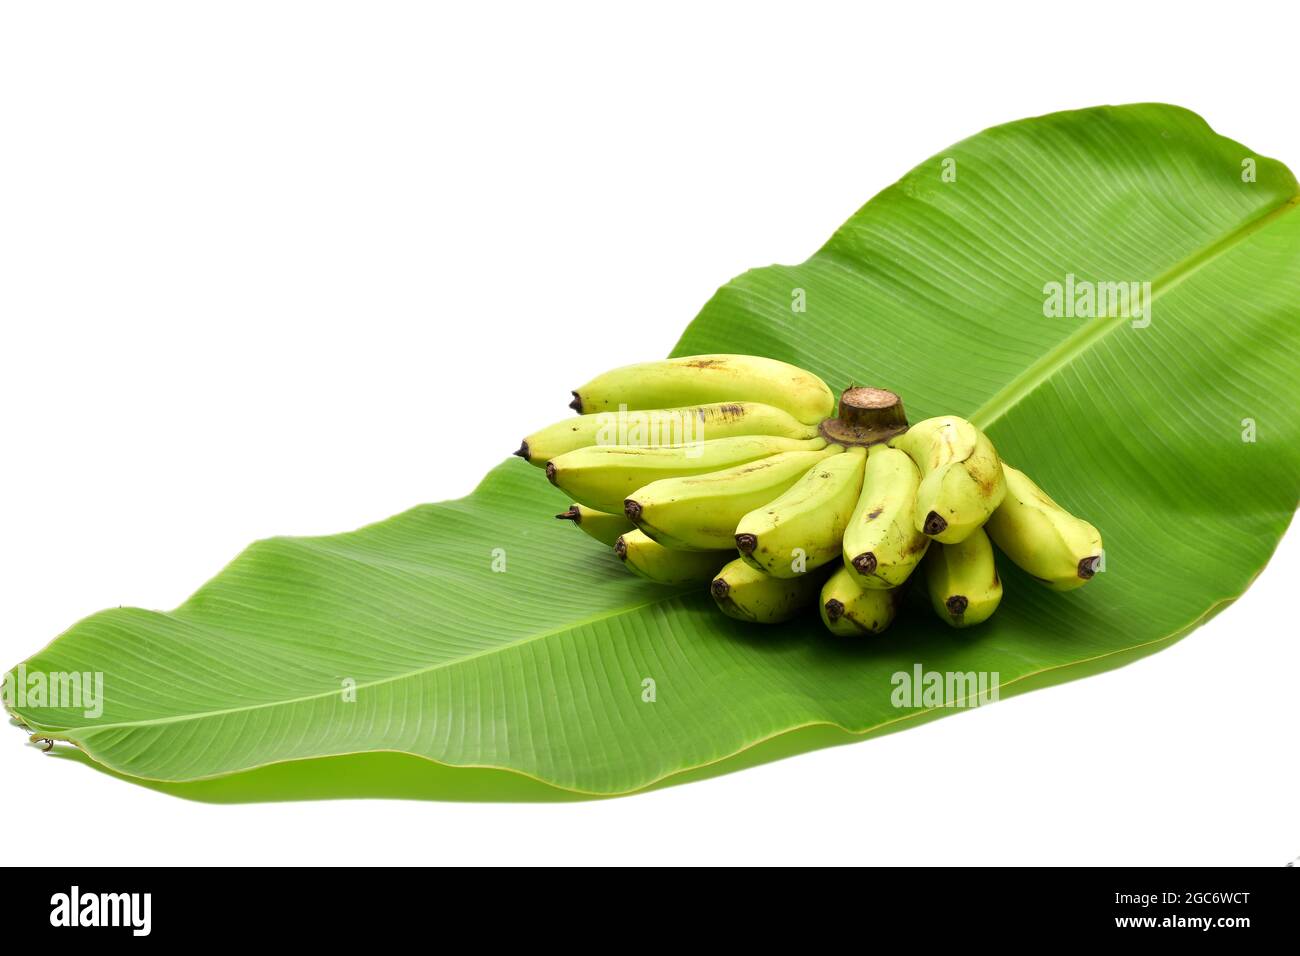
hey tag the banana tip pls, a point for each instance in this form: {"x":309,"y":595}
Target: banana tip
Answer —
{"x":523,"y":451}
{"x":631,"y":509}
{"x":550,"y":472}
{"x":865,"y":563}
{"x":719,"y":588}
{"x":576,"y":404}
{"x":1088,"y":566}
{"x":571,"y":515}
{"x":957,"y":605}
{"x":746,"y":543}
{"x":620,"y":548}
{"x":834,"y":610}
{"x":934,"y":524}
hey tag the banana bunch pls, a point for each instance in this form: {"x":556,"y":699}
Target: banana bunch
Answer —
{"x":736,"y":472}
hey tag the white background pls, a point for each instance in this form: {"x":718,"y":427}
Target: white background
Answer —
{"x":271,"y":268}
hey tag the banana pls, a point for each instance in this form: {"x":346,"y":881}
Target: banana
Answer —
{"x":700,"y":512}
{"x":695,"y":379}
{"x":602,"y":526}
{"x":961,"y":477}
{"x":803,"y":528}
{"x":747,"y":594}
{"x":661,"y":426}
{"x":1050,"y":544}
{"x":963,"y":580}
{"x":602,"y":476}
{"x":848,"y":608}
{"x":881,"y":545}
{"x":663,"y":565}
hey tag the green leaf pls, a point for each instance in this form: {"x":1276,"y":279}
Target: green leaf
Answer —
{"x":934,"y":289}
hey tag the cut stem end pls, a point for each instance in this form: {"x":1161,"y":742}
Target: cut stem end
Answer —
{"x":868,"y":416}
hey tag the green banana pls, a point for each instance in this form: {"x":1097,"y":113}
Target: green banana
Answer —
{"x":661,"y":426}
{"x":963,"y":580}
{"x":848,"y":608}
{"x":881,"y":544}
{"x":803,"y":528}
{"x":651,"y":560}
{"x":700,"y":512}
{"x":698,"y":379}
{"x":602,"y":526}
{"x":748,"y":594}
{"x":961,"y":477}
{"x":1050,"y":544}
{"x":602,"y":476}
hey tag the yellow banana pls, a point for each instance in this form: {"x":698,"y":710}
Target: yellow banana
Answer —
{"x":848,"y":608}
{"x":747,"y":594}
{"x":963,"y":580}
{"x":651,"y":560}
{"x":1050,"y":544}
{"x":602,"y":526}
{"x":661,"y":426}
{"x":803,"y":528}
{"x":694,"y":379}
{"x":881,"y":544}
{"x":700,"y":512}
{"x":961,"y":477}
{"x":602,"y":476}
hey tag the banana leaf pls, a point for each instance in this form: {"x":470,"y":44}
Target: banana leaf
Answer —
{"x":483,"y":633}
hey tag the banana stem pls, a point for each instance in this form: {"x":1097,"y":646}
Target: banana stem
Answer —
{"x":868,"y":416}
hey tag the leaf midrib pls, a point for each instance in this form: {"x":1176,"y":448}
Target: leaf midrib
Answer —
{"x":87,"y":730}
{"x":993,"y":409}
{"x":1095,"y":329}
